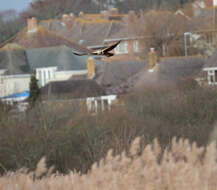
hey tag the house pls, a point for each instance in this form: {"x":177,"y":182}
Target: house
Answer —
{"x":14,"y":70}
{"x":36,"y":49}
{"x":170,"y":71}
{"x":174,"y":70}
{"x":36,"y":36}
{"x":204,"y":3}
{"x":98,"y":30}
{"x":210,"y":69}
{"x":50,"y":64}
{"x":72,"y":89}
{"x":110,"y":75}
{"x":86,"y":92}
{"x":56,"y":64}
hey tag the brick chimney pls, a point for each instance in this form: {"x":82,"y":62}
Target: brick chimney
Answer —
{"x":113,"y":11}
{"x":152,"y":58}
{"x":90,"y":67}
{"x":132,"y":16}
{"x":209,"y":3}
{"x":67,"y":20}
{"x":32,"y":25}
{"x":104,"y":14}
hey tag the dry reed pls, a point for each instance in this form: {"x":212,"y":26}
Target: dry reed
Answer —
{"x":180,"y":166}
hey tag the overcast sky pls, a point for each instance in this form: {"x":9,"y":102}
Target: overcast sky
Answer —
{"x":14,"y":4}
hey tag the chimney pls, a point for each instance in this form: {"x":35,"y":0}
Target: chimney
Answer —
{"x":104,"y":14}
{"x":67,"y":20}
{"x":132,"y":16}
{"x":113,"y":11}
{"x":90,"y":67}
{"x":152,"y":58}
{"x":32,"y":25}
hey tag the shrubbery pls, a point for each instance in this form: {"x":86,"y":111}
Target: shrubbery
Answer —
{"x":74,"y":140}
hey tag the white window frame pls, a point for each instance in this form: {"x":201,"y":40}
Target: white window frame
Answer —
{"x":43,"y":76}
{"x":136,"y":46}
{"x":122,"y":48}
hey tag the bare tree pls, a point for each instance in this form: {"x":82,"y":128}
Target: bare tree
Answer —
{"x":163,"y":29}
{"x":45,"y":9}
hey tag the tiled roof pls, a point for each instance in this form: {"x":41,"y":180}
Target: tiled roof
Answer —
{"x":92,"y":34}
{"x":73,"y":89}
{"x":61,"y":57}
{"x":13,"y":59}
{"x":176,"y":69}
{"x":112,"y":74}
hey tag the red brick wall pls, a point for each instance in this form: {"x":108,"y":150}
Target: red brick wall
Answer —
{"x":209,"y":3}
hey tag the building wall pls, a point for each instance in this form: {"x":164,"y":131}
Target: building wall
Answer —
{"x":208,"y":3}
{"x":211,"y":75}
{"x":10,"y":84}
{"x":91,"y":68}
{"x":65,"y":75}
{"x":99,"y":104}
{"x":46,"y":75}
{"x":130,"y":47}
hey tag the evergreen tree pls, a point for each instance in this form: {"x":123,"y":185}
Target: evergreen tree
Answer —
{"x":34,"y":90}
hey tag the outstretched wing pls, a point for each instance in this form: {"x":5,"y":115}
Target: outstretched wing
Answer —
{"x":79,"y":54}
{"x":111,"y":47}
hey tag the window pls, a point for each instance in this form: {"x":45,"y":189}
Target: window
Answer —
{"x":136,"y":46}
{"x":99,"y":106}
{"x":105,"y":104}
{"x":49,"y":75}
{"x":93,"y":107}
{"x":212,"y":77}
{"x":122,"y":48}
{"x":39,"y":77}
{"x":1,"y":80}
{"x":44,"y":78}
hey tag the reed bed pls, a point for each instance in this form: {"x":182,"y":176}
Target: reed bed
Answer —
{"x":181,"y":165}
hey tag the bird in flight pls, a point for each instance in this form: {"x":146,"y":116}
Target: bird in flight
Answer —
{"x":106,"y":51}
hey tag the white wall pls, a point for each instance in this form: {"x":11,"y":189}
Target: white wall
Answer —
{"x":49,"y":74}
{"x":10,"y":84}
{"x":65,"y":75}
{"x":122,"y":48}
{"x":44,"y":75}
{"x":97,"y":104}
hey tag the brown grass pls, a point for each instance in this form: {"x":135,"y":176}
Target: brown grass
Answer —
{"x":180,"y":166}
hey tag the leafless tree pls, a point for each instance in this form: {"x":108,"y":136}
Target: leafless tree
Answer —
{"x":163,"y":29}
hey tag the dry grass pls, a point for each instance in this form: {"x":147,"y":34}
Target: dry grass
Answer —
{"x":180,"y":166}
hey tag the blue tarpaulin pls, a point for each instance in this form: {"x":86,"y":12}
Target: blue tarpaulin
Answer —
{"x":22,"y":95}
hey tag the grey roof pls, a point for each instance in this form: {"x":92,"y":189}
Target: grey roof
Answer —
{"x":13,"y":59}
{"x":171,"y":71}
{"x":120,"y":31}
{"x":42,"y":38}
{"x":73,"y":89}
{"x":60,"y":57}
{"x":112,"y":74}
{"x":176,"y":69}
{"x":90,"y":34}
{"x":212,"y":61}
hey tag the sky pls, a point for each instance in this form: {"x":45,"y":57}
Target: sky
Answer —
{"x":18,"y":5}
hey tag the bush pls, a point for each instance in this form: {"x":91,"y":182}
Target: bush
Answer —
{"x":73,"y":140}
